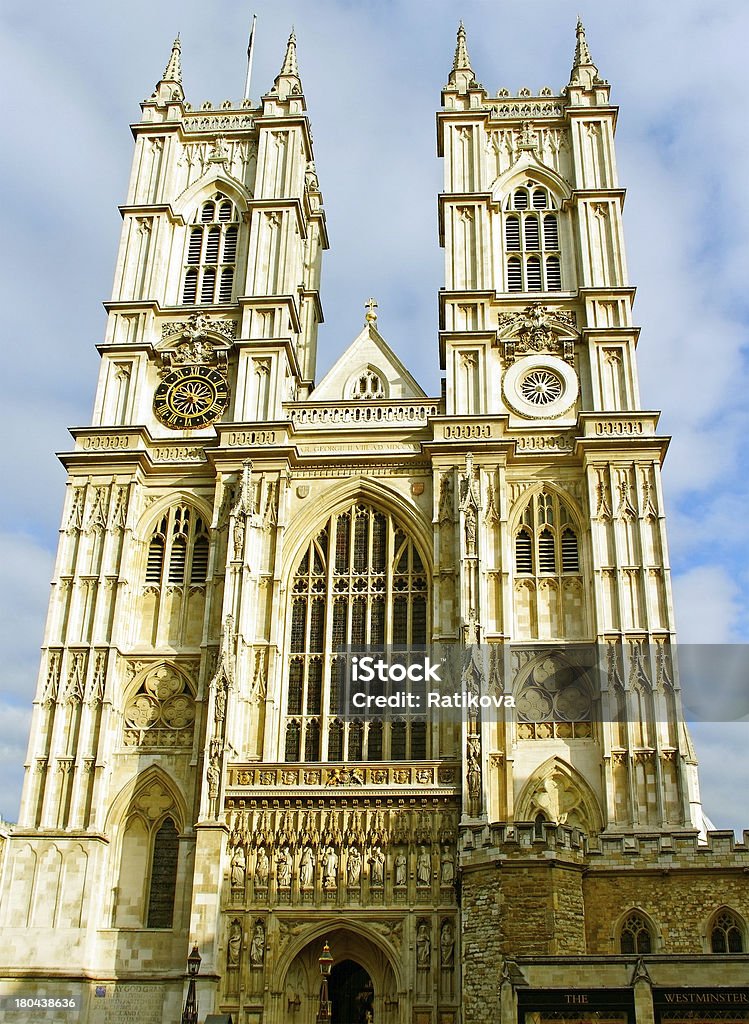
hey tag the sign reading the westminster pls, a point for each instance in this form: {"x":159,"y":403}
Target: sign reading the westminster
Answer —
{"x":359,"y":705}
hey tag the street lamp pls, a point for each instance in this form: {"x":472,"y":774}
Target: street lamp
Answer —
{"x":190,"y":1012}
{"x":325,"y":962}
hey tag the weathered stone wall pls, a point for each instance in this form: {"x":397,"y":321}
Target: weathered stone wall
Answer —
{"x":481,"y":944}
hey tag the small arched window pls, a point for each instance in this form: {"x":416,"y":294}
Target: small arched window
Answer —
{"x":546,"y":542}
{"x":211,"y":253}
{"x":368,"y":385}
{"x":178,"y":549}
{"x":163,"y":882}
{"x":635,"y":935}
{"x":726,"y":933}
{"x":531,"y":229}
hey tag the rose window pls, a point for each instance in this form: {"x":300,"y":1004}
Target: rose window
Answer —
{"x":541,"y":387}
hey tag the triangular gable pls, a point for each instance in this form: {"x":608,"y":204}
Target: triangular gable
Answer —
{"x":368,"y":351}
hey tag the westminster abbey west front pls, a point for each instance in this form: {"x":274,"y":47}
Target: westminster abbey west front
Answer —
{"x":231,"y":522}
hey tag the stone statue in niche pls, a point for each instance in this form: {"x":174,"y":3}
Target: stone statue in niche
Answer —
{"x":262,"y":867}
{"x":401,"y":866}
{"x":235,"y":944}
{"x":423,"y":947}
{"x":283,"y":868}
{"x":470,"y":526}
{"x":447,"y":868}
{"x":447,"y":945}
{"x":473,"y":753}
{"x":257,"y":946}
{"x":238,"y":869}
{"x":353,"y":870}
{"x":330,"y":868}
{"x":306,"y":868}
{"x":423,"y":867}
{"x":377,"y":867}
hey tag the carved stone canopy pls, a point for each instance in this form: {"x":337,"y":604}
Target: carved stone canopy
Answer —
{"x":197,"y":340}
{"x":537,"y":329}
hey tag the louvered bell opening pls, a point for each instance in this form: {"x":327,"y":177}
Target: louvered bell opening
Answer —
{"x":190,"y":290}
{"x":551,"y":234}
{"x":208,"y":286}
{"x":523,"y":553}
{"x":225,"y":211}
{"x":227,"y":283}
{"x":553,"y":274}
{"x":196,"y":241}
{"x":208,"y":213}
{"x":155,"y":562}
{"x":546,"y":559}
{"x":514,"y":276}
{"x":230,"y":245}
{"x":512,"y":234}
{"x":177,"y":561}
{"x":199,"y":568}
{"x":570,"y":557}
{"x":533,"y":271}
{"x":211,"y":249}
{"x":531,"y":233}
{"x":520,"y":199}
{"x":539,"y":199}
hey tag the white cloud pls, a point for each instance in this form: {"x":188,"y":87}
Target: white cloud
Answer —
{"x":707,"y":606}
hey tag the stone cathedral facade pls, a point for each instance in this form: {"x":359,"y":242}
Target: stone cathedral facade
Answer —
{"x":230,"y":522}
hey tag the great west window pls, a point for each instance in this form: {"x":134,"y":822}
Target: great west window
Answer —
{"x":361,"y":582}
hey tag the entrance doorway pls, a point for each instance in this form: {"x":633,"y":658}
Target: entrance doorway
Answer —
{"x":351,"y":993}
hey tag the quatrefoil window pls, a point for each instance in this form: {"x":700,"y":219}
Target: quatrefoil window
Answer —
{"x":162,"y":712}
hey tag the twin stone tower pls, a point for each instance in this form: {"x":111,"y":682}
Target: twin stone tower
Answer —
{"x":231,"y":525}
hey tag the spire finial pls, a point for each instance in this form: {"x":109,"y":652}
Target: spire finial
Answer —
{"x":371,"y":317}
{"x":173,"y":69}
{"x":290,"y":66}
{"x":582,"y":53}
{"x":461,"y":61}
{"x":584,"y":72}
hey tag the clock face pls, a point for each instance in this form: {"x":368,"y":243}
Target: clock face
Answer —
{"x":191,"y":396}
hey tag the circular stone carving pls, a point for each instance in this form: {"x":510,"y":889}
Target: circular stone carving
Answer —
{"x":540,"y":387}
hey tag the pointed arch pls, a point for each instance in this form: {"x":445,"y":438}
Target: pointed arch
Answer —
{"x":126,"y":801}
{"x":529,"y":166}
{"x":514,"y":516}
{"x":560,"y":792}
{"x":726,"y":931}
{"x":368,"y":943}
{"x":213,"y":180}
{"x":150,"y":518}
{"x":306,"y":523}
{"x":634,"y":932}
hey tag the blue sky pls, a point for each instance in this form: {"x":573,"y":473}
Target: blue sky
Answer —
{"x":74,"y":74}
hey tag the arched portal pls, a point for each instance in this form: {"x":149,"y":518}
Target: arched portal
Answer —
{"x":351,"y":994}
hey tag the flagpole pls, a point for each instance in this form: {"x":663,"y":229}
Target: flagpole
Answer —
{"x":250,"y":49}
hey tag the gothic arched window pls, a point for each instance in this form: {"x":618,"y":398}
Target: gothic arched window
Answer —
{"x":635,"y":934}
{"x":361,"y":581}
{"x":549,"y":597}
{"x":211,"y":254}
{"x":531,"y":237}
{"x":546,"y":542}
{"x":163,"y":883}
{"x":367,"y":384}
{"x":178,"y":548}
{"x":175,"y":579}
{"x":726,"y":933}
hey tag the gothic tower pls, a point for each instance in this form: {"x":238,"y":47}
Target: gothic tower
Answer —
{"x":231,"y":525}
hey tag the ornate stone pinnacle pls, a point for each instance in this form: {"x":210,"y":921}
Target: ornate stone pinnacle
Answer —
{"x":461,"y":61}
{"x":290,"y":66}
{"x":582,"y":53}
{"x":173,"y":69}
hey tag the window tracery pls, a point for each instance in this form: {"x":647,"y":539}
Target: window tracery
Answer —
{"x":635,"y":934}
{"x":361,"y":582}
{"x":368,"y":385}
{"x":211,"y":255}
{"x":162,"y":712}
{"x":531,"y":237}
{"x":726,"y":933}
